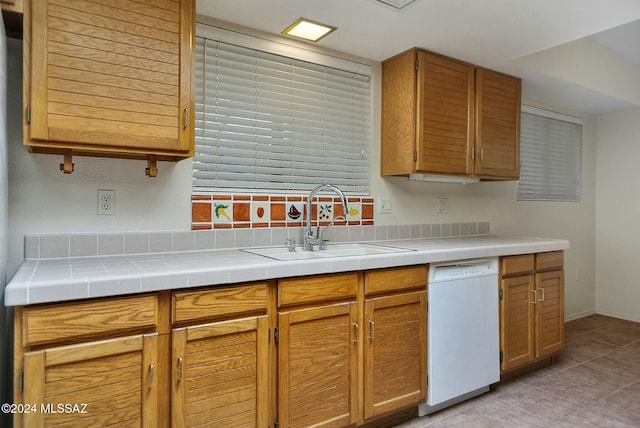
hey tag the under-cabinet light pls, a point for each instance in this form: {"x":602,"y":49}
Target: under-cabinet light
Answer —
{"x":308,"y":30}
{"x":443,"y":178}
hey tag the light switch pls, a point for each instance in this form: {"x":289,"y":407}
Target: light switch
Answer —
{"x":384,"y":205}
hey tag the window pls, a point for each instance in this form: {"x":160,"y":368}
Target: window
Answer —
{"x":272,"y":118}
{"x":550,"y":156}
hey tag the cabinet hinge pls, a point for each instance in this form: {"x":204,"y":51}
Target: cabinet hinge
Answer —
{"x":415,"y":156}
{"x":501,"y":356}
{"x":21,"y":382}
{"x":28,"y":114}
{"x":276,"y":335}
{"x":417,"y":65}
{"x":501,"y":294}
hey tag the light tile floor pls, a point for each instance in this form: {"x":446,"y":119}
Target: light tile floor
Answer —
{"x":595,"y":382}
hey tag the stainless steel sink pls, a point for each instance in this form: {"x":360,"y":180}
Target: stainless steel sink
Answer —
{"x":333,"y":250}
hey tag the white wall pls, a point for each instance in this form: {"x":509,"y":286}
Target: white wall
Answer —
{"x":618,"y":215}
{"x":43,"y":200}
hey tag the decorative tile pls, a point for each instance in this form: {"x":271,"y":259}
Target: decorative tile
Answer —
{"x":260,"y":212}
{"x":277,"y":211}
{"x":295,"y":211}
{"x":355,"y":211}
{"x":201,"y":212}
{"x":241,"y":212}
{"x":223,"y":212}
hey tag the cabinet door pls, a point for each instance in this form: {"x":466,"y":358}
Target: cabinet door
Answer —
{"x":549,"y":313}
{"x":114,"y":378}
{"x":318,"y":366}
{"x":220,"y":374}
{"x":110,"y":78}
{"x":517,"y":315}
{"x":395,"y":356}
{"x":445,"y":115}
{"x":498,"y":125}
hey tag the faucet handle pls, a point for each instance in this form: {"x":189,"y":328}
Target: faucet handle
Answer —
{"x":291,"y":244}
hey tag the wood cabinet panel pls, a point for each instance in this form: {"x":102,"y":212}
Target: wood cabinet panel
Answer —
{"x":319,"y":288}
{"x":71,"y":321}
{"x":549,"y":261}
{"x":517,"y":321}
{"x":218,"y":302}
{"x":550,"y":313}
{"x":395,"y":356}
{"x":395,"y":279}
{"x":114,"y":378}
{"x":399,"y":120}
{"x":220,"y":374}
{"x":110,"y":78}
{"x":444,"y":116}
{"x":318,"y":360}
{"x":16,"y":6}
{"x":531,"y":308}
{"x":498,"y":124}
{"x":517,"y":265}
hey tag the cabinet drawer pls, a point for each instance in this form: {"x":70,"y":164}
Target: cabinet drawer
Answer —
{"x":395,"y":279}
{"x":70,"y":321}
{"x":218,"y":302}
{"x":549,"y":261}
{"x":310,"y":289}
{"x":516,"y":265}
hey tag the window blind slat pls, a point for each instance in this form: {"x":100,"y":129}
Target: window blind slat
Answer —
{"x":551,"y":158}
{"x":268,"y":122}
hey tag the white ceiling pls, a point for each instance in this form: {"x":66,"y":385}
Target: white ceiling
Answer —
{"x":582,"y":55}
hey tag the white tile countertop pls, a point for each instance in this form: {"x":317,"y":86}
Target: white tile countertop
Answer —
{"x":62,"y":279}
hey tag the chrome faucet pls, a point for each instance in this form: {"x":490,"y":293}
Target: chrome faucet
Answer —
{"x":309,"y":238}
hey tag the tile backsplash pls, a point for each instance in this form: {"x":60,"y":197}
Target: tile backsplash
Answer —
{"x":62,"y":245}
{"x":231,"y":211}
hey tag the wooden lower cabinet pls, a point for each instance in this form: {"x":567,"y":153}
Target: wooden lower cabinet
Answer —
{"x":95,"y":384}
{"x":395,"y":367}
{"x":331,"y":350}
{"x":550,"y":313}
{"x":531,"y":308}
{"x":220,"y":374}
{"x":318,"y":366}
{"x":352,"y":348}
{"x":517,"y":316}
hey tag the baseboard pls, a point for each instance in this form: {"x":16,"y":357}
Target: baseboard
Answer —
{"x":579,"y":315}
{"x":632,"y":318}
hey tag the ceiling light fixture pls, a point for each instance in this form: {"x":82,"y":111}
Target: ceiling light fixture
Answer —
{"x":308,"y":30}
{"x":397,"y":4}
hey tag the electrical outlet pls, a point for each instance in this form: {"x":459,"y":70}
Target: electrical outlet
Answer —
{"x":106,"y":202}
{"x":442,"y":206}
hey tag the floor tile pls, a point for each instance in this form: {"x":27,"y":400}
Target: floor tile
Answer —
{"x":594,"y":383}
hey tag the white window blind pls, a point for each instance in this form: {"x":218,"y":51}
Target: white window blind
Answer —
{"x":550,"y":156}
{"x":266,"y":122}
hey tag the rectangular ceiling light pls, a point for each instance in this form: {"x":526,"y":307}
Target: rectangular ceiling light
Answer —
{"x":308,"y":30}
{"x":398,"y":4}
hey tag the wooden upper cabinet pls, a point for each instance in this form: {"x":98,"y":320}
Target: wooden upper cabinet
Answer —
{"x":444,"y":116}
{"x":110,"y":78}
{"x":498,"y":124}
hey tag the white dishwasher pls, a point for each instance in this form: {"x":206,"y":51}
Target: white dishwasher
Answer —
{"x":463,"y":332}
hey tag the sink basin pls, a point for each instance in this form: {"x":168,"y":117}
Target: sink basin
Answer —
{"x":333,"y":250}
